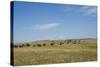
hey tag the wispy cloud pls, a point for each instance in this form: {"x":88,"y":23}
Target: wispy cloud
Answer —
{"x":84,"y":10}
{"x":45,"y":26}
{"x":88,"y":10}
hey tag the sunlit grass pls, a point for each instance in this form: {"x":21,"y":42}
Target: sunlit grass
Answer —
{"x":48,"y":54}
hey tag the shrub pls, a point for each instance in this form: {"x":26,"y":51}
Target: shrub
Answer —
{"x":16,"y":46}
{"x":52,"y":44}
{"x":44,"y":44}
{"x":27,"y":44}
{"x":61,"y":43}
{"x":69,"y":41}
{"x":20,"y":45}
{"x":79,"y":41}
{"x":74,"y":42}
{"x":39,"y":45}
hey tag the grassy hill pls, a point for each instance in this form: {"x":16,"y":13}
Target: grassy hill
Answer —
{"x":55,"y":51}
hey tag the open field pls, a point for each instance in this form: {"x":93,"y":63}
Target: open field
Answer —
{"x":55,"y":51}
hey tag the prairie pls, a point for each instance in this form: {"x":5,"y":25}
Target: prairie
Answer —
{"x":55,"y":51}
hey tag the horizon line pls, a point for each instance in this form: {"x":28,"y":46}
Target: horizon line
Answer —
{"x":52,"y":39}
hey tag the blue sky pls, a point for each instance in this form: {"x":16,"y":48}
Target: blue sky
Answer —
{"x":43,"y":21}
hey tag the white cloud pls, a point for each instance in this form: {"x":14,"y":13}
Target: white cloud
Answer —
{"x":84,"y":10}
{"x":45,"y":26}
{"x":88,"y":11}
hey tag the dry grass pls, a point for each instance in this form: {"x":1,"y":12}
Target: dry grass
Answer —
{"x":48,"y":54}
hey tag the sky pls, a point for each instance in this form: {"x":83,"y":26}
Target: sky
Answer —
{"x":43,"y":21}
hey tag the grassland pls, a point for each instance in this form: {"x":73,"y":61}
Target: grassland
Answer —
{"x":55,"y":51}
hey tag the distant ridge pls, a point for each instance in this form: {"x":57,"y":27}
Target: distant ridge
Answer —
{"x":56,"y":40}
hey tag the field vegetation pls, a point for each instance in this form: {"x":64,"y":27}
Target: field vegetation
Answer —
{"x":55,"y":51}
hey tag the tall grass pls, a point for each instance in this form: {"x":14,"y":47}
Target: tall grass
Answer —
{"x":55,"y":52}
